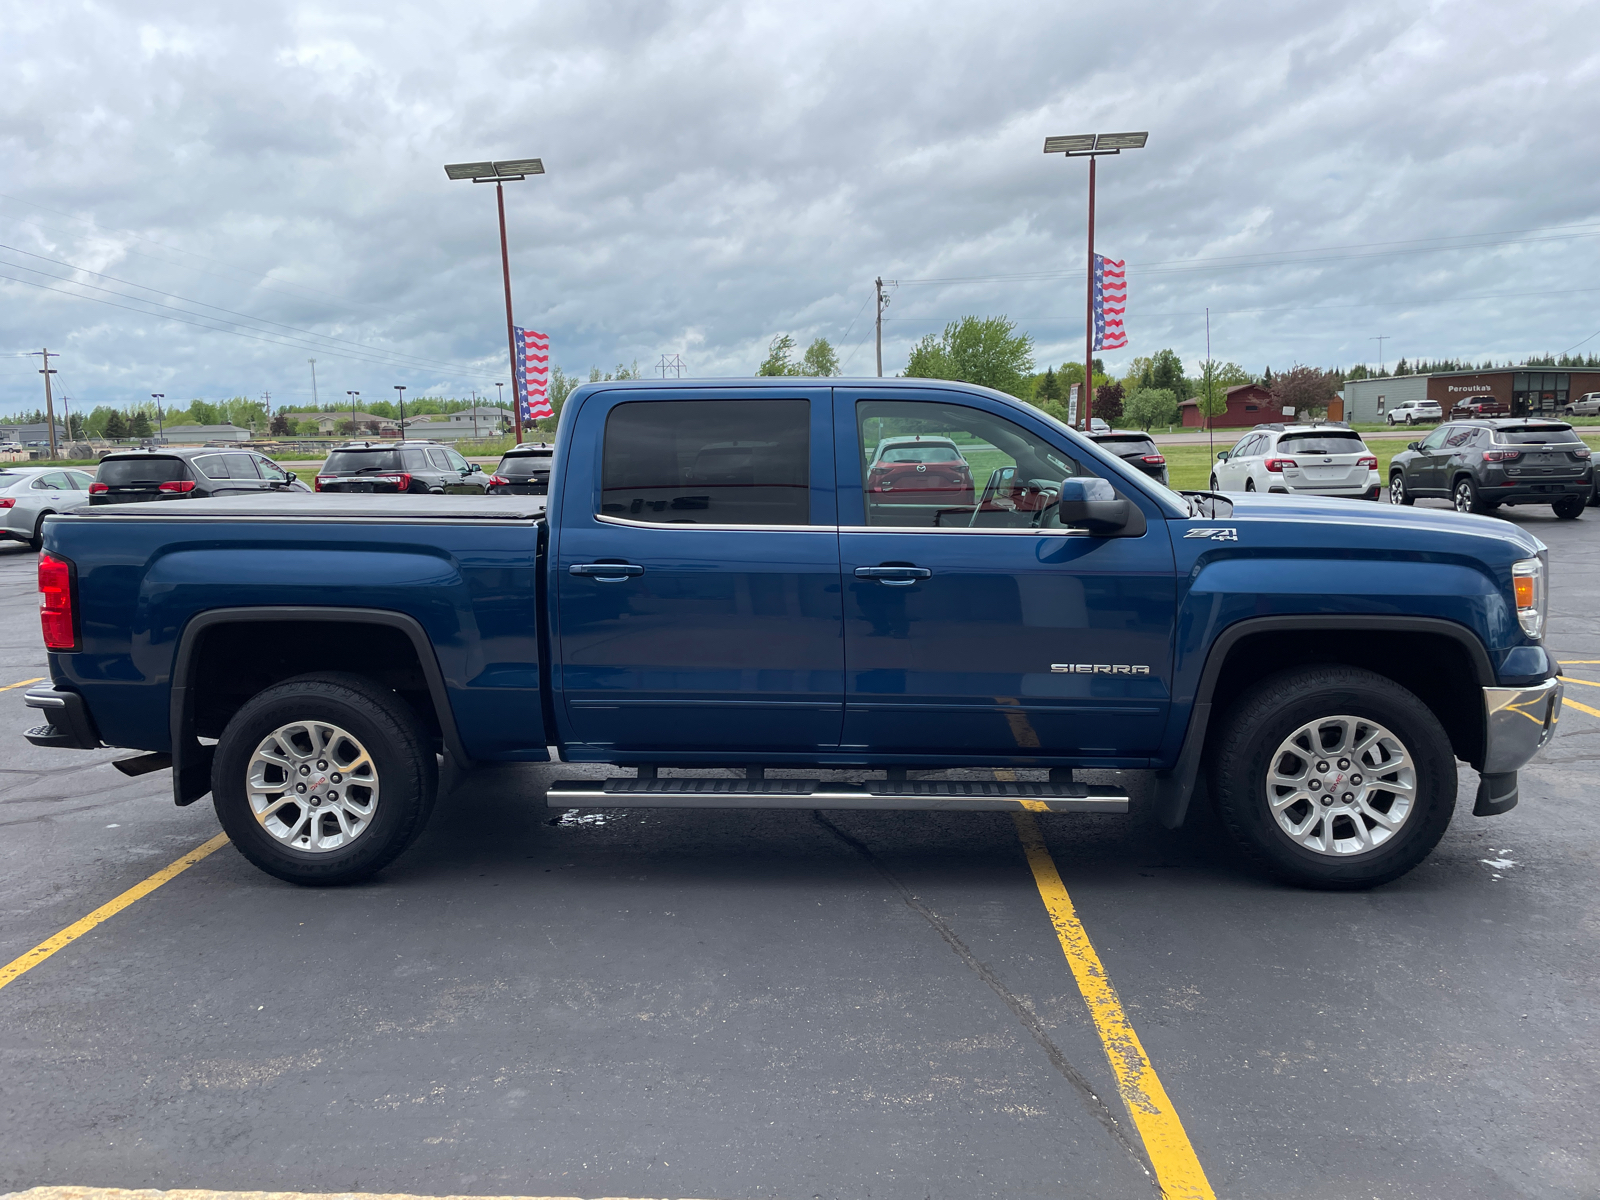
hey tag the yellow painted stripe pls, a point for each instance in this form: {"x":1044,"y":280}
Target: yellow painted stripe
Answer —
{"x":22,"y":683}
{"x":1580,"y":662}
{"x":1569,"y":702}
{"x":27,"y":962}
{"x":1177,"y":1168}
{"x":1007,"y":775}
{"x":1585,"y":682}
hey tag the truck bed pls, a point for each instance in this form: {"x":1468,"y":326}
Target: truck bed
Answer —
{"x":334,"y":507}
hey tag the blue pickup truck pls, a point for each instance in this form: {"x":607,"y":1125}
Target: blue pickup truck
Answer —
{"x":896,"y":579}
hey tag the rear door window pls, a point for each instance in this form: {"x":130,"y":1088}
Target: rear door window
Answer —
{"x":415,"y":460}
{"x":242,"y":466}
{"x":439,"y":459}
{"x":212,"y":466}
{"x":127,"y":472}
{"x":708,"y":462}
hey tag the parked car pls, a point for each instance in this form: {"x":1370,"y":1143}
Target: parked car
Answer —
{"x":135,"y":476}
{"x":1481,"y":465}
{"x":1137,"y":449}
{"x":1326,"y":665}
{"x":30,"y":494}
{"x":1415,"y":412}
{"x":523,"y":471}
{"x":1469,"y":407}
{"x":1586,"y":405}
{"x":1321,"y":460}
{"x":919,"y":469}
{"x":1096,"y":425}
{"x":393,"y":467}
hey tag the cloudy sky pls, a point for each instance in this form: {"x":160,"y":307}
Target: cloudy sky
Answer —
{"x":197,"y":198}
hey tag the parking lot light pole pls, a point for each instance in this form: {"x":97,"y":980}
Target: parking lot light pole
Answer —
{"x":401,"y":388}
{"x":499,"y":173}
{"x":354,"y":396}
{"x":161,"y":428}
{"x":1092,"y":146}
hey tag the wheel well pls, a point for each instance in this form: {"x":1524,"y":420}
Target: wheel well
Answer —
{"x":236,"y":659}
{"x":1432,"y":666}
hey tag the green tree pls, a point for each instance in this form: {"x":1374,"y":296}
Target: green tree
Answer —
{"x":1149,"y":407}
{"x":1048,"y":391}
{"x":1166,"y":372}
{"x":982,"y":350}
{"x":1307,"y":390}
{"x":75,"y":426}
{"x":116,"y":427}
{"x":777,"y":360}
{"x":820,"y":359}
{"x":280,"y":425}
{"x":562,"y":385}
{"x":139,"y":427}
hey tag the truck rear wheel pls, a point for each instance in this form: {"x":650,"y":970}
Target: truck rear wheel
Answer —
{"x":324,"y":779}
{"x":1333,"y":777}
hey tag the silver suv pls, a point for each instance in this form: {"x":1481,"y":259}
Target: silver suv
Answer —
{"x":1415,"y":412}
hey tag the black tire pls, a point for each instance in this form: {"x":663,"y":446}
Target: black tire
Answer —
{"x":1398,"y":492}
{"x":1258,"y":725}
{"x":406,"y":772}
{"x":1464,"y":495}
{"x":1249,"y":485}
{"x":1214,"y":486}
{"x":36,"y":542}
{"x":1570,"y":508}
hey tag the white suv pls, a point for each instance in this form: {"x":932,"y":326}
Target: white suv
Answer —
{"x":1586,"y":405}
{"x":1411,"y":412}
{"x":1317,"y":460}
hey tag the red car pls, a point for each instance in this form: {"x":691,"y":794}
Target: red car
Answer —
{"x":919,"y":470}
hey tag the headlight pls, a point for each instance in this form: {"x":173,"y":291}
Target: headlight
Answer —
{"x":1527,"y":581}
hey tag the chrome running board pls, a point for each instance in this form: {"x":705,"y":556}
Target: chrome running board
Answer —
{"x":956,"y":795}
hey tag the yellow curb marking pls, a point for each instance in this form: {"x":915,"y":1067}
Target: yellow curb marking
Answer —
{"x":24,"y":963}
{"x":1570,"y":703}
{"x":1585,"y":682}
{"x":22,"y":683}
{"x":1176,"y":1166}
{"x":1580,"y":662}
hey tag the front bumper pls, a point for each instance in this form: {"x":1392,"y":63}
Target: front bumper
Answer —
{"x":1518,"y":722}
{"x":69,"y":725}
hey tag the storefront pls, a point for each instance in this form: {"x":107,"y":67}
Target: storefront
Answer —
{"x":1526,"y":391}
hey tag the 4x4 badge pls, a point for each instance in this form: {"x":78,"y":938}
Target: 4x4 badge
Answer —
{"x":1216,"y":535}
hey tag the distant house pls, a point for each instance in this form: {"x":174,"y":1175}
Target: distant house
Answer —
{"x":1248,"y":404}
{"x":449,"y":427}
{"x":201,"y":435}
{"x":334,"y":422}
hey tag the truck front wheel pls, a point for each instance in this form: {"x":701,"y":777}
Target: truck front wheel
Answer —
{"x":323,"y":779}
{"x":1333,"y":777}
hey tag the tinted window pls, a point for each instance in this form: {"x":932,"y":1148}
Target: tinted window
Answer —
{"x":439,"y":459}
{"x":125,"y":471}
{"x":1536,"y":437}
{"x":212,"y":466}
{"x":457,"y":462}
{"x":1459,"y":436}
{"x":415,"y":460}
{"x":351,"y":462}
{"x":1128,"y":445}
{"x":523,"y":464}
{"x":242,"y":466}
{"x":1321,"y":443}
{"x":920,"y":454}
{"x":708,"y":462}
{"x":1436,"y":439}
{"x":1005,"y":478}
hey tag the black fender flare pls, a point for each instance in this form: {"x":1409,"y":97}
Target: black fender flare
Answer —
{"x":1175,"y":787}
{"x":191,"y":761}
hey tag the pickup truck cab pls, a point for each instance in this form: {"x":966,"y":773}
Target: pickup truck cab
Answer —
{"x":715,"y":584}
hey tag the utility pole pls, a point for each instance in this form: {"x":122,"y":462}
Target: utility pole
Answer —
{"x":49,"y":401}
{"x":314,"y":400}
{"x":161,"y":426}
{"x":401,"y":388}
{"x":883,"y":303}
{"x":1380,"y":339}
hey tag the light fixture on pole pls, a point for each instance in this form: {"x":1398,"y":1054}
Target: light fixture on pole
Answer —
{"x":401,"y":388}
{"x":161,"y":431}
{"x":354,"y":396}
{"x":500,"y":173}
{"x":1092,"y":146}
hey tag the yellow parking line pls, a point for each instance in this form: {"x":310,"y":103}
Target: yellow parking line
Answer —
{"x":24,"y":963}
{"x":1580,"y":662}
{"x":1569,"y":702}
{"x":1177,"y":1168}
{"x":1585,"y":682}
{"x":21,"y":683}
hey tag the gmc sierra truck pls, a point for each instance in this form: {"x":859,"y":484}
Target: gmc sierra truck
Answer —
{"x":721,"y":578}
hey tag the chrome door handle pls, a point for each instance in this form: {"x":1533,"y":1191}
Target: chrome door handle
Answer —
{"x":894,"y":576}
{"x":606,"y":572}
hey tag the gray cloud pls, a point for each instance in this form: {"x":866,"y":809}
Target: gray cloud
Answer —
{"x":723,"y":172}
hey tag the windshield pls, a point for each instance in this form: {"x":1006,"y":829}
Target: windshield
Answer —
{"x":1546,"y":436}
{"x":523,"y":464}
{"x":919,"y":454}
{"x":1177,"y":504}
{"x":124,"y":471}
{"x":354,"y":462}
{"x":1322,"y":443}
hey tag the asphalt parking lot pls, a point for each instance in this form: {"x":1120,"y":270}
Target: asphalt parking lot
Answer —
{"x":724,"y":1004}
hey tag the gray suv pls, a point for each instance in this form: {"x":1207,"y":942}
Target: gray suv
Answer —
{"x":1480,"y":465}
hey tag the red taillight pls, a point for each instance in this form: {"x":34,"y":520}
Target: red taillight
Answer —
{"x":177,"y":487}
{"x":1370,"y":462}
{"x":499,"y":481}
{"x":1155,"y":460}
{"x":7,"y":501}
{"x":56,"y":614}
{"x":1501,"y":455}
{"x":99,"y":489}
{"x":321,"y":479}
{"x":402,"y":482}
{"x":1583,"y":452}
{"x":1276,"y":465}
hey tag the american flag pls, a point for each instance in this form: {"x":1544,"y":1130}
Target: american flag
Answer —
{"x":1110,"y":303}
{"x":533,"y":373}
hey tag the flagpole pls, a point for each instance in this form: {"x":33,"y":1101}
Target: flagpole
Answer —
{"x":505,"y":268}
{"x":1088,"y":330}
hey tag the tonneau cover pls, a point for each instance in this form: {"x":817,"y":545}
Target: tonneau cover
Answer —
{"x":335,"y":506}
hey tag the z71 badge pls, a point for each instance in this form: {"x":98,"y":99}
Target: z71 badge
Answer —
{"x":1216,"y":535}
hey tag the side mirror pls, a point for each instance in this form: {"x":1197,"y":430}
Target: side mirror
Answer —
{"x":1223,"y":455}
{"x":1092,"y":504}
{"x":476,"y":469}
{"x":1413,"y":445}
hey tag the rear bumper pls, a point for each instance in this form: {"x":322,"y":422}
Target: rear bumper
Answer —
{"x":1518,"y":722}
{"x":1535,"y":493}
{"x":68,"y":726}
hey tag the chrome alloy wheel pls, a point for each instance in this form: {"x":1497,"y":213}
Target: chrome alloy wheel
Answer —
{"x":312,"y":786}
{"x":1341,"y":785}
{"x":1397,"y":489}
